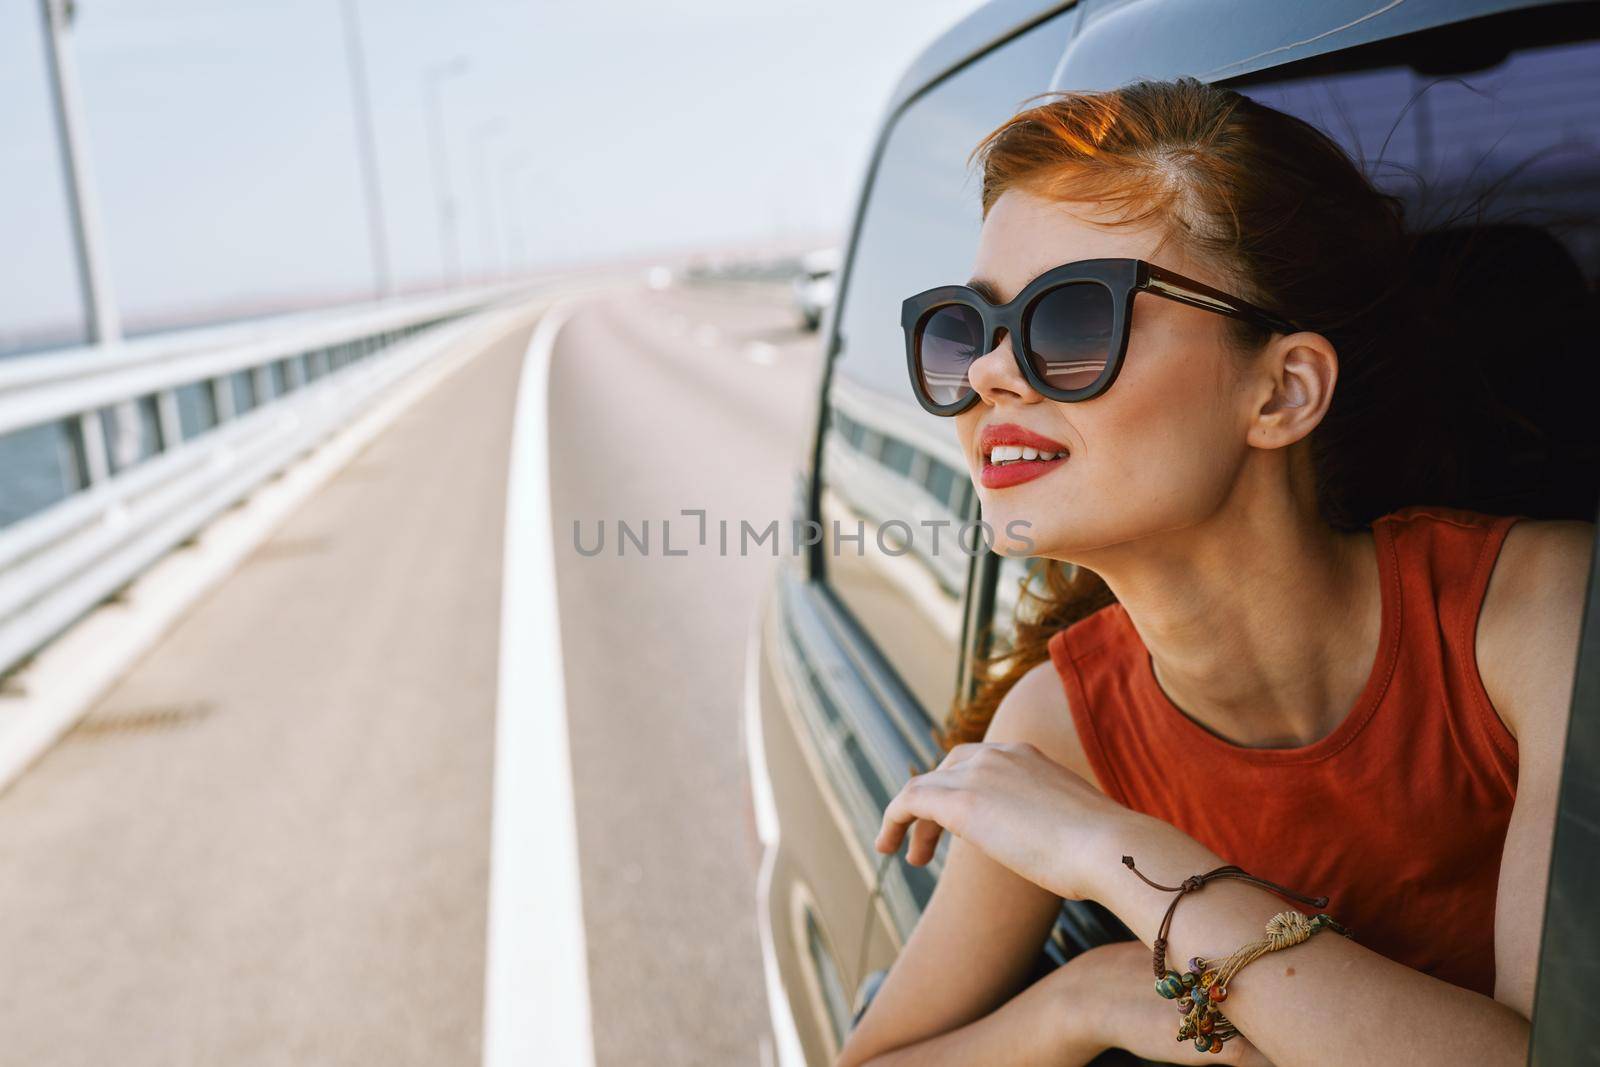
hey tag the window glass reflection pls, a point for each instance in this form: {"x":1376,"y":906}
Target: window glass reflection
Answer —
{"x":896,"y":489}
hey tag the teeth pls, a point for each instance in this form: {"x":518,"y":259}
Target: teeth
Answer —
{"x":1003,"y":454}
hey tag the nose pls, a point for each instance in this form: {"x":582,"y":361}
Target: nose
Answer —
{"x":995,"y":374}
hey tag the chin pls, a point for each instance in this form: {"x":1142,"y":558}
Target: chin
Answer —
{"x":1013,"y":531}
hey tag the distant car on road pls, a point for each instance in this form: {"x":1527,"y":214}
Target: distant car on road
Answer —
{"x":814,"y":286}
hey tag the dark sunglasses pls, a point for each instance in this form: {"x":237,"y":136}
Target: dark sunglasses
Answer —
{"x":1068,"y":329}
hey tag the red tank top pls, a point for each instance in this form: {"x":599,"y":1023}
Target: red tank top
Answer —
{"x":1398,"y":815}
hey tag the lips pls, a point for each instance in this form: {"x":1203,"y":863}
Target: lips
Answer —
{"x":1014,"y":454}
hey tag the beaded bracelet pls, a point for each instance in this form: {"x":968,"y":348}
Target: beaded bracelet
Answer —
{"x":1204,"y":985}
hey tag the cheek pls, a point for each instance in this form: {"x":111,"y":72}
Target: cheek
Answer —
{"x":966,"y":428}
{"x":1164,"y":434}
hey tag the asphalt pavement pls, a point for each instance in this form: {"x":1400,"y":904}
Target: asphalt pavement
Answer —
{"x":685,"y":399}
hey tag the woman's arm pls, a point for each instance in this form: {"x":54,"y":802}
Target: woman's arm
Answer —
{"x":975,"y":942}
{"x":969,"y":953}
{"x":1527,"y":647}
{"x":951,"y":996}
{"x":1101,"y":999}
{"x":1329,"y":1000}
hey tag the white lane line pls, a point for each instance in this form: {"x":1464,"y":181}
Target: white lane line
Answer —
{"x":536,"y":986}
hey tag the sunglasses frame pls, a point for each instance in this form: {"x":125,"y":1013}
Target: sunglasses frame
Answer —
{"x":1122,"y":278}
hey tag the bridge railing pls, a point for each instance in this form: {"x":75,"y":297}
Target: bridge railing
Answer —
{"x":110,"y":456}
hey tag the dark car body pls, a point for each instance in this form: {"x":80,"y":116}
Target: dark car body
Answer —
{"x":863,"y":643}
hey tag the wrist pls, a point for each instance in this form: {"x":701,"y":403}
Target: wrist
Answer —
{"x":1161,"y":850}
{"x":1100,"y":874}
{"x":1079,"y":1007}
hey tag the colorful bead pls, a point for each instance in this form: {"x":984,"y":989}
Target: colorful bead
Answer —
{"x":1190,"y":980}
{"x":1196,"y":964}
{"x":1208,"y":1023}
{"x":1216,"y":1043}
{"x":1201,"y":997}
{"x":1217,"y":993}
{"x":1202,"y":1043}
{"x":1185,"y":1004}
{"x":1170,"y":985}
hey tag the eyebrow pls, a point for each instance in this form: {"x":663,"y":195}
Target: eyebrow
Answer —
{"x":986,"y":289}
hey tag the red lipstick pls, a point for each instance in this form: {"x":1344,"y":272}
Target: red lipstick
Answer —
{"x":1014,"y":467}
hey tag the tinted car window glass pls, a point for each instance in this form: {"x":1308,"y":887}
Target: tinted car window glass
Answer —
{"x":1500,"y":169}
{"x":889,"y":513}
{"x":1014,"y":574}
{"x":1525,"y":127}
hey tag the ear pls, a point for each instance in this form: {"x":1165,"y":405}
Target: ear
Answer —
{"x":1296,"y":376}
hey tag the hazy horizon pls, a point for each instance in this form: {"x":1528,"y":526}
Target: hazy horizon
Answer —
{"x":223,"y":152}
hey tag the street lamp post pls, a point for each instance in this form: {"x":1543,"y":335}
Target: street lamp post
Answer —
{"x":94,"y":282}
{"x":102,"y":321}
{"x":367,"y":147}
{"x":449,"y":238}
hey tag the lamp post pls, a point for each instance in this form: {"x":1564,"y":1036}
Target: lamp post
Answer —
{"x":482,"y":134}
{"x":449,"y":238}
{"x":94,"y":282}
{"x":367,"y":148}
{"x":102,"y":321}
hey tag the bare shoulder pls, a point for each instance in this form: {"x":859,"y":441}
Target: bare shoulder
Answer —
{"x":1035,"y":710}
{"x":1528,"y":625}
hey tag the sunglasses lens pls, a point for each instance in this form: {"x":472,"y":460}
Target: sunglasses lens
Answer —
{"x":1069,"y":335}
{"x":950,"y":339}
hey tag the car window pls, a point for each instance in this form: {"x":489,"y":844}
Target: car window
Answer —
{"x":1524,"y":129}
{"x":1499,"y":169}
{"x":894,"y":487}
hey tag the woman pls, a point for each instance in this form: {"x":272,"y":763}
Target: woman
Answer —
{"x":1264,"y":655}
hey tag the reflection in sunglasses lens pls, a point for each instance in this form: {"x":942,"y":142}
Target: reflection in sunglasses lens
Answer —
{"x":952,"y":337}
{"x":1069,"y":335}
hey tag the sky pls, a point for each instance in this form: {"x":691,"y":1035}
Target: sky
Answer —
{"x":222,"y":146}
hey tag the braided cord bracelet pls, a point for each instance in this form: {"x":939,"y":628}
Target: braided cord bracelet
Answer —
{"x":1204,"y":985}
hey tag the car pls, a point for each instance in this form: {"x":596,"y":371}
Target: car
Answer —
{"x":814,"y":285}
{"x":863,"y":642}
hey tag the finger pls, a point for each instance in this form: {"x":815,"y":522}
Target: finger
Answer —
{"x":925,"y":834}
{"x":917,"y":799}
{"x":901,"y":813}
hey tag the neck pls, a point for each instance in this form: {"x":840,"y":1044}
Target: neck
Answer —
{"x":1262,"y":623}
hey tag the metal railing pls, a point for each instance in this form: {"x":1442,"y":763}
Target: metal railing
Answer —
{"x":110,"y":456}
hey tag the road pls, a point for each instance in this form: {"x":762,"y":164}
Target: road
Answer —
{"x":268,"y":844}
{"x":661,"y":402}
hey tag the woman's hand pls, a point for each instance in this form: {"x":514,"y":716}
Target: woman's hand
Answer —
{"x":1130,"y":1014}
{"x":1020,"y":807}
